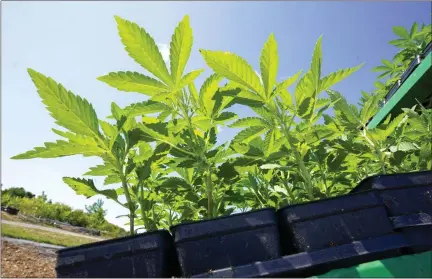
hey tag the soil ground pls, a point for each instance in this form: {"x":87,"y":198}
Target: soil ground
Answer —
{"x":26,"y":261}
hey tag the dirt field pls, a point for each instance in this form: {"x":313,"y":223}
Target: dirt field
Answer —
{"x":26,"y":261}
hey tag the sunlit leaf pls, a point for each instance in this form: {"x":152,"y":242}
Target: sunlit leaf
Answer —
{"x":249,"y":134}
{"x":249,"y":122}
{"x":401,"y":32}
{"x":143,"y":49}
{"x":60,"y":148}
{"x":87,"y":188}
{"x":269,"y":63}
{"x":234,"y":68}
{"x":70,"y":111}
{"x":180,"y":49}
{"x":134,"y":82}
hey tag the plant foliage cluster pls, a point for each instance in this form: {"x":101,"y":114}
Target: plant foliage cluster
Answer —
{"x":164,"y":154}
{"x":41,"y":208}
{"x":17,"y":192}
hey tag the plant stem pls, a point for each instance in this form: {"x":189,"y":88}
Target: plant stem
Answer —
{"x":376,"y":149}
{"x":209,"y":186}
{"x":303,"y":170}
{"x":201,"y":150}
{"x":130,"y":205}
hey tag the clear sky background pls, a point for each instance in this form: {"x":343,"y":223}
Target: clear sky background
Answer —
{"x":75,"y":42}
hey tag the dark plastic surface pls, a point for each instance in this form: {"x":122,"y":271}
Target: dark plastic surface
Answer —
{"x":417,"y":229}
{"x":393,"y":90}
{"x":313,"y":263}
{"x":412,"y":66}
{"x":398,"y":180}
{"x":408,"y":200}
{"x":141,"y":256}
{"x":227,"y":241}
{"x":332,"y":222}
{"x":427,"y":50}
{"x":402,"y":193}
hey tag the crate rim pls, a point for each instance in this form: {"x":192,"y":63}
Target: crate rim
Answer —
{"x":358,"y":189}
{"x":113,"y":240}
{"x":222,"y":217}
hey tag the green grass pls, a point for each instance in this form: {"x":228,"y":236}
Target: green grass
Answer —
{"x":42,"y":236}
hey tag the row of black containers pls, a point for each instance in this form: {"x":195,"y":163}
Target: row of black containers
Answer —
{"x":384,"y":216}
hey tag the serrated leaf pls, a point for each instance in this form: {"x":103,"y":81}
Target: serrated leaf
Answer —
{"x":70,"y":111}
{"x":202,"y":122}
{"x":264,"y":113}
{"x":180,"y":49}
{"x":73,"y":138}
{"x":145,"y":152}
{"x":304,"y":88}
{"x":108,"y":129}
{"x":87,"y":188}
{"x":112,"y":179}
{"x":174,"y":183}
{"x":398,"y":42}
{"x":194,"y":94}
{"x":249,"y":122}
{"x":143,"y":49}
{"x":316,"y":63}
{"x":401,"y":32}
{"x":413,"y":30}
{"x":282,"y":86}
{"x":101,"y":170}
{"x":370,"y":108}
{"x":249,"y":134}
{"x":234,"y":68}
{"x":305,"y":107}
{"x":269,"y":141}
{"x":117,"y":112}
{"x":391,"y":127}
{"x":322,"y":102}
{"x":388,"y":63}
{"x":150,"y":120}
{"x":146,"y":107}
{"x":134,"y":82}
{"x":335,"y":77}
{"x":269,"y":63}
{"x":189,"y":78}
{"x":60,"y":148}
{"x":120,"y":191}
{"x":225,"y":116}
{"x":343,"y":108}
{"x":157,"y":133}
{"x":407,"y":146}
{"x":207,"y":92}
{"x":286,"y":98}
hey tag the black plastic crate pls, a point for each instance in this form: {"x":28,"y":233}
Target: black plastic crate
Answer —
{"x":318,"y":262}
{"x":227,"y":241}
{"x":408,"y":199}
{"x":11,"y":210}
{"x":417,"y":229}
{"x":403,"y":193}
{"x":392,"y":90}
{"x":411,"y":67}
{"x":145,"y":255}
{"x":332,"y":222}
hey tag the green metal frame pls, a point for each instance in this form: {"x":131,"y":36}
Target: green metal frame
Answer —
{"x":416,"y":87}
{"x":409,"y":266}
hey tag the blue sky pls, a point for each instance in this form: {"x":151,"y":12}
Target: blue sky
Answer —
{"x":75,"y":42}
